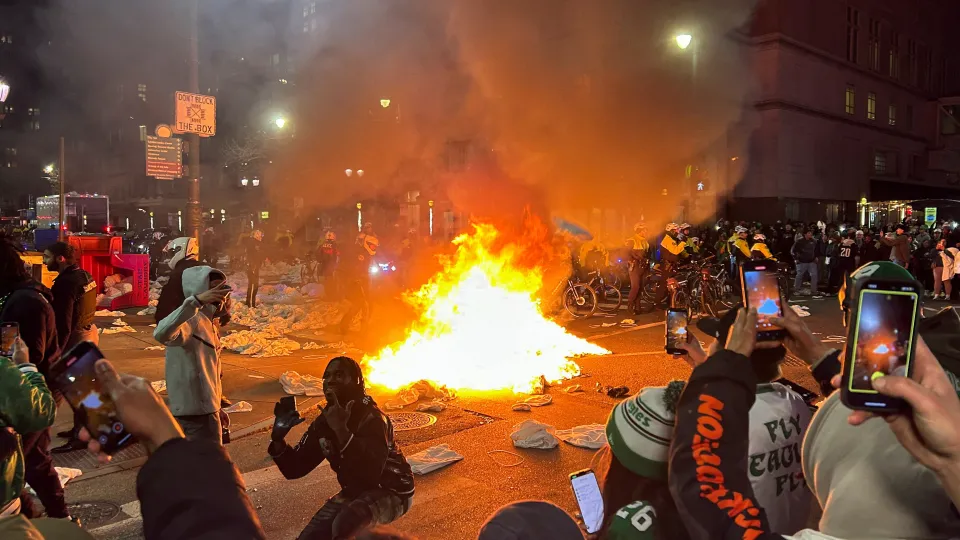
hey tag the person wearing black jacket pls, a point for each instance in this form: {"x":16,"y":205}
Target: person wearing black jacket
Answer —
{"x":356,"y":437}
{"x":28,"y":303}
{"x":74,"y":303}
{"x":186,"y":255}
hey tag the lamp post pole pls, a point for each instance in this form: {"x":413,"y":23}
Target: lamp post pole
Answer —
{"x":193,"y":200}
{"x":60,"y":180}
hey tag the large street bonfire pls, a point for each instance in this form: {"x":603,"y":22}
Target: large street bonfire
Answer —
{"x":480,"y":325}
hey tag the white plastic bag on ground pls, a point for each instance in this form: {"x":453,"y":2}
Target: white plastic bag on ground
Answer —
{"x":433,"y":406}
{"x":533,"y":434}
{"x":801,"y":311}
{"x":521,"y":407}
{"x":240,"y":406}
{"x":159,"y":386}
{"x":402,"y":399}
{"x":295,"y":384}
{"x":108,"y":313}
{"x":67,"y":474}
{"x":155,"y":348}
{"x":433,"y":458}
{"x":539,"y":400}
{"x":591,"y":436}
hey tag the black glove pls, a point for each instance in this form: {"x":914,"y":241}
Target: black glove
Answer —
{"x":284,"y":420}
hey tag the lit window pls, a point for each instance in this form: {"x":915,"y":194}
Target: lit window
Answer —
{"x":8,"y":109}
{"x":892,"y":115}
{"x":142,"y":92}
{"x":6,"y":38}
{"x":11,"y":151}
{"x":143,"y":133}
{"x":871,"y":106}
{"x":851,"y":100}
{"x":33,"y":111}
{"x":879,"y":163}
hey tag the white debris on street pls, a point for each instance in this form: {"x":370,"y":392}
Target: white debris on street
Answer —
{"x":297,"y":385}
{"x":801,"y":311}
{"x":259,"y":344}
{"x":108,"y":313}
{"x":239,"y":407}
{"x":433,"y":458}
{"x":159,"y":386}
{"x":155,"y":348}
{"x":114,"y":286}
{"x":592,"y":436}
{"x":533,"y":434}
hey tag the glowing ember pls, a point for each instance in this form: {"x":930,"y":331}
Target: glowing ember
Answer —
{"x":480,"y":326}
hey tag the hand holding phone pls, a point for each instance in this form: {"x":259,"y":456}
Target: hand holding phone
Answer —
{"x":9,"y":333}
{"x":882,"y":342}
{"x":90,"y":390}
{"x":677,"y":332}
{"x":587,"y":492}
{"x":761,"y":291}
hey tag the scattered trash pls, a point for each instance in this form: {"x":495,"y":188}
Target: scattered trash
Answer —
{"x":518,"y":456}
{"x":402,"y":399}
{"x":67,"y":474}
{"x":238,"y":407}
{"x":802,"y":311}
{"x":430,"y":390}
{"x":119,"y":322}
{"x":259,"y":344}
{"x":573,"y":389}
{"x":539,"y":400}
{"x":118,"y":330}
{"x":159,"y":386}
{"x":533,"y":434}
{"x":108,"y":313}
{"x":521,"y":407}
{"x":433,"y":458}
{"x":155,"y":348}
{"x":433,"y":406}
{"x":256,"y":376}
{"x":154,"y":325}
{"x":149,"y":310}
{"x":592,"y":436}
{"x":311,"y":346}
{"x":618,"y":392}
{"x":607,"y":324}
{"x":628,"y":322}
{"x":295,"y":384}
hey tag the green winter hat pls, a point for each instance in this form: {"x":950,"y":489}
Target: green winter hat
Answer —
{"x":640,"y":429}
{"x":873,"y":270}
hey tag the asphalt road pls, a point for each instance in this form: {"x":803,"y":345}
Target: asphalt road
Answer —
{"x":453,"y":502}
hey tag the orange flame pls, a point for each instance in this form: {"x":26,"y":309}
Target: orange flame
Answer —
{"x":480,"y":326}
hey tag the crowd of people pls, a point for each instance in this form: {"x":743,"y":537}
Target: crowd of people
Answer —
{"x":729,"y":453}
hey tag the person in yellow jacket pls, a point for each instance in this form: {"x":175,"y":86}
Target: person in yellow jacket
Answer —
{"x":741,"y":248}
{"x":691,"y":244}
{"x":593,"y":256}
{"x":760,"y":251}
{"x":670,"y":249}
{"x":639,"y":263}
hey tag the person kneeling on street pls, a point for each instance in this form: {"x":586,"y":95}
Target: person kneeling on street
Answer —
{"x":357,"y":438}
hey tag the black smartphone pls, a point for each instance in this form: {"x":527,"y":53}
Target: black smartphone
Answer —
{"x":882,"y":342}
{"x":9,"y":332}
{"x":761,"y":290}
{"x":75,"y":376}
{"x":676,"y":330}
{"x":589,"y":499}
{"x":288,"y":403}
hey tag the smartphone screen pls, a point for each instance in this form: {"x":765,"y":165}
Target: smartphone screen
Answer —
{"x":762,"y":291}
{"x":81,"y":387}
{"x":8,"y":336}
{"x":587,"y":491}
{"x":676,"y":329}
{"x":883,"y":337}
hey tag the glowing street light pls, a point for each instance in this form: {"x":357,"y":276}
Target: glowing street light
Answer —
{"x":280,"y":122}
{"x":384,"y":103}
{"x":360,"y":173}
{"x":684,"y":40}
{"x":348,"y":172}
{"x":4,"y":90}
{"x":244,"y":181}
{"x":48,"y":169}
{"x":256,"y":181}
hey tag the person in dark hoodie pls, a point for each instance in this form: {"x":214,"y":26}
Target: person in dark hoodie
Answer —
{"x":28,"y":303}
{"x":356,"y":437}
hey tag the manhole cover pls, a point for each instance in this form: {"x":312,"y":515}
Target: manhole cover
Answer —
{"x":406,"y":421}
{"x":92,"y":513}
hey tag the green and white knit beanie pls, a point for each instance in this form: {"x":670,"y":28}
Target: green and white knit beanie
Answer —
{"x":640,"y":429}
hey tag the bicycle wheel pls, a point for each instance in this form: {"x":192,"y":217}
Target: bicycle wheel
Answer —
{"x":580,"y":301}
{"x":650,"y":287}
{"x":681,"y":300}
{"x":609,"y":298}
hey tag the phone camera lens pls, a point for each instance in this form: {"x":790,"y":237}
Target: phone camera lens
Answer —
{"x":117,"y":427}
{"x":103,"y":439}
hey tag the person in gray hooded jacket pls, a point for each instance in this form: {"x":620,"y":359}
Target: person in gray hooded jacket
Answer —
{"x":192,"y":366}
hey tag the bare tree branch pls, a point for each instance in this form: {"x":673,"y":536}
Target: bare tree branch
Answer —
{"x":251,"y":148}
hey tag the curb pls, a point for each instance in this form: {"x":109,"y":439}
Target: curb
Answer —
{"x":234,"y":436}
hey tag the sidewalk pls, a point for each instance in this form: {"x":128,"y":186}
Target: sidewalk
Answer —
{"x":254,"y":380}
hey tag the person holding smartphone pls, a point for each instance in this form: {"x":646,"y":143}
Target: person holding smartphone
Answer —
{"x":192,"y":358}
{"x":356,"y":437}
{"x":26,"y":406}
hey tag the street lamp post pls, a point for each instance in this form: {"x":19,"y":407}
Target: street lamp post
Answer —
{"x":686,"y":41}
